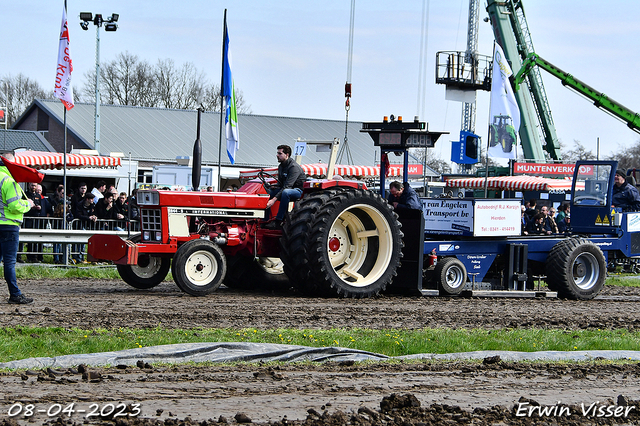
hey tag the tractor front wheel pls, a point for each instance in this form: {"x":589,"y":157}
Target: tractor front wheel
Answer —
{"x":199,"y":267}
{"x":148,"y":273}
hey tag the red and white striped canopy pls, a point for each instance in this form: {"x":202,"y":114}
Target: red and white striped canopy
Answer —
{"x":55,"y":160}
{"x":320,"y":170}
{"x":512,"y":183}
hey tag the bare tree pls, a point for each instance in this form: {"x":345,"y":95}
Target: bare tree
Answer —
{"x":211,"y":100}
{"x":17,"y":93}
{"x":579,"y":152}
{"x":124,"y":81}
{"x":433,"y":161}
{"x":127,"y":80}
{"x":628,"y":158}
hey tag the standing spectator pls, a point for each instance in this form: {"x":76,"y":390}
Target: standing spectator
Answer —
{"x":85,"y":211}
{"x":45,"y":211}
{"x":107,"y":210}
{"x":78,"y":196}
{"x":536,"y":225}
{"x":76,"y":199}
{"x":99,"y":189}
{"x":32,"y":194}
{"x":14,"y":205}
{"x":124,"y":205}
{"x":563,"y":210}
{"x":549,"y":224}
{"x":58,"y":197}
{"x":564,"y":224}
{"x":531,"y":211}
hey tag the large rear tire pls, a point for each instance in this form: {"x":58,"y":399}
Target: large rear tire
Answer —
{"x":451,"y":275}
{"x":351,"y":244}
{"x":199,"y":267}
{"x":576,"y":269}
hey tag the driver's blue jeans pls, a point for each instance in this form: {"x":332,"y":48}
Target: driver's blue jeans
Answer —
{"x":287,"y":196}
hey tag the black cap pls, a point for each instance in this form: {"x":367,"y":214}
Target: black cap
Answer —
{"x":621,"y":173}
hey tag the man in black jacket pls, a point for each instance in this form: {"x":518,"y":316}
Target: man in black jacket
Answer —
{"x":291,"y":177}
{"x":625,"y":195}
{"x":403,"y":196}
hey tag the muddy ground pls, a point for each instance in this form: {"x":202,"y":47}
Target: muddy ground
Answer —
{"x":494,"y":392}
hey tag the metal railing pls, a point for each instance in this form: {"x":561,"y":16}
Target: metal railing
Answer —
{"x":68,"y":246}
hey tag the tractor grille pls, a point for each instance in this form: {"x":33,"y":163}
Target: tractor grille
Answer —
{"x":151,"y":225}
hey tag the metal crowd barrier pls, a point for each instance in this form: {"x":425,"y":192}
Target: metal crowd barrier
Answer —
{"x":68,"y":246}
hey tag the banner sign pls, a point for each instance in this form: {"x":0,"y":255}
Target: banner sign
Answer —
{"x":496,"y":218}
{"x":447,"y":216}
{"x":550,"y":169}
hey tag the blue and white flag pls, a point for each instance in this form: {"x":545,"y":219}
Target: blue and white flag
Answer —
{"x":229,"y":100}
{"x":504,"y":114}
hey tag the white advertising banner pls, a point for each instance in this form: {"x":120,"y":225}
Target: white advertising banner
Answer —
{"x":496,"y":218}
{"x":447,"y":216}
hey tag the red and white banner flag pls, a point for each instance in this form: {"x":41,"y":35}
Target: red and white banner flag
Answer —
{"x":63,"y":90}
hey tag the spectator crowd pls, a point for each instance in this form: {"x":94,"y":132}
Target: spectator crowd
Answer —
{"x":102,"y":208}
{"x":544,"y":220}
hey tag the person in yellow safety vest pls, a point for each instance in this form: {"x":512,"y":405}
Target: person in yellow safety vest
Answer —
{"x":13,"y":205}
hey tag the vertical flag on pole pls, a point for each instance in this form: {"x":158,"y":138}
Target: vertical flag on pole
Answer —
{"x":63,"y":89}
{"x":229,"y":100}
{"x":504,"y":114}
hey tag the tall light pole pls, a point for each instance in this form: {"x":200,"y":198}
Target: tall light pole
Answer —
{"x":109,"y":25}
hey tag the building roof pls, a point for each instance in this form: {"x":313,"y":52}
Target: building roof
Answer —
{"x":16,"y":139}
{"x":160,"y":135}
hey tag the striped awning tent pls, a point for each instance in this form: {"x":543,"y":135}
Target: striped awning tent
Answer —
{"x":512,"y":183}
{"x":55,"y":160}
{"x":320,"y":171}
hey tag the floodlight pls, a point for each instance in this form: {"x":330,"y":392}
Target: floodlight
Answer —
{"x":86,"y":16}
{"x":110,"y":27}
{"x":114,"y":17}
{"x":84,"y":25}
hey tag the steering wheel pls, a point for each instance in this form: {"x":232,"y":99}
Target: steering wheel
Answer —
{"x":263,"y":176}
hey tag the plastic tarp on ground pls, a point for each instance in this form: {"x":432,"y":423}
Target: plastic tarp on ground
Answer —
{"x":265,"y":352}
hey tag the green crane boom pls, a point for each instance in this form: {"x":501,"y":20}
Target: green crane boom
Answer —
{"x":599,"y":99}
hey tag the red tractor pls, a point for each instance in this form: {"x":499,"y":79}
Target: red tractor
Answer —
{"x":339,"y":239}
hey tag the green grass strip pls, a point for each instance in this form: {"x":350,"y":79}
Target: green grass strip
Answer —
{"x":27,"y":271}
{"x":27,"y":342}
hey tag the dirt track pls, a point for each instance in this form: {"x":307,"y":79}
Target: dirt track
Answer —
{"x":267,"y":395}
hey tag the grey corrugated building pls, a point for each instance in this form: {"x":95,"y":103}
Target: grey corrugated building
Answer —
{"x":157,"y":135}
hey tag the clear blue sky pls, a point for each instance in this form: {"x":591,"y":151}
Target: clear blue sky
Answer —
{"x":290,"y":57}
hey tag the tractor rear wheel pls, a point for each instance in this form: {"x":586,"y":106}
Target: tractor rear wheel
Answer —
{"x":451,"y":275}
{"x":576,"y":269}
{"x":199,"y":267}
{"x":351,"y":245}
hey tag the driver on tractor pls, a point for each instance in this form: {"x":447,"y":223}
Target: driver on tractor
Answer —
{"x":291,"y":177}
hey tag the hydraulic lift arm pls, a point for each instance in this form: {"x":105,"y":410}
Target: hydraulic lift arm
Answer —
{"x":599,"y":99}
